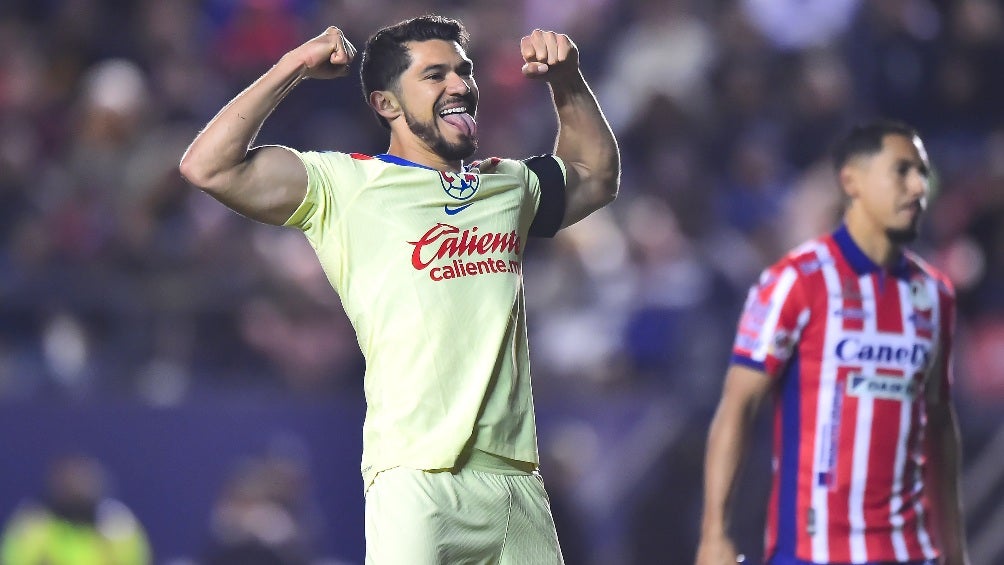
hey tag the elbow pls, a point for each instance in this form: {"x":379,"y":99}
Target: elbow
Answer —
{"x":608,"y":193}
{"x":191,"y":171}
{"x":611,"y":182}
{"x":198,"y":174}
{"x":614,"y":187}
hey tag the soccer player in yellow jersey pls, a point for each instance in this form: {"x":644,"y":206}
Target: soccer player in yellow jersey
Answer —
{"x":423,"y":250}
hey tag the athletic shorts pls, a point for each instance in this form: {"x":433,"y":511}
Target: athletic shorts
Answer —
{"x":485,"y":513}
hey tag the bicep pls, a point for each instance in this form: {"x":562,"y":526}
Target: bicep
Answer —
{"x":268,"y":186}
{"x":742,"y":393}
{"x":745,"y":388}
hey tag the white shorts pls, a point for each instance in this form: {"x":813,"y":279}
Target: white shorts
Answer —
{"x":466,"y":517}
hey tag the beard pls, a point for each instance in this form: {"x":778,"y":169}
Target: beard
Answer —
{"x":901,"y":236}
{"x":430,"y":134}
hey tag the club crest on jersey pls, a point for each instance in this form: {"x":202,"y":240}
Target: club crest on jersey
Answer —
{"x":460,"y":186}
{"x":919,"y":297}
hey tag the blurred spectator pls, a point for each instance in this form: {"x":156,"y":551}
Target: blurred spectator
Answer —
{"x":264,"y":515}
{"x":75,"y":523}
{"x":116,"y":278}
{"x":667,"y":51}
{"x":798,"y":24}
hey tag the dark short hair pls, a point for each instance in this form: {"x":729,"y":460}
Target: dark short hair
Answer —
{"x":385,"y":57}
{"x":866,"y":139}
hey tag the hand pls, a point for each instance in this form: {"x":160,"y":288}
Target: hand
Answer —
{"x":326,"y":56}
{"x":719,"y":551}
{"x":485,"y":166}
{"x":549,"y":55}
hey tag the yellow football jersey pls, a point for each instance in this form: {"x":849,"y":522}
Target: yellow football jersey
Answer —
{"x":428,"y":266}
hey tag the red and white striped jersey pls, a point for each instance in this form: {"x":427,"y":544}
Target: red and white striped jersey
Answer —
{"x":854,"y":349}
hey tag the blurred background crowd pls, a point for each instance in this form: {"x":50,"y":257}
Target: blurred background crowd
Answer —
{"x":132,"y":305}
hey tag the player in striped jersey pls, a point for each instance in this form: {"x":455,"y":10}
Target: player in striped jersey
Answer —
{"x":851,"y":334}
{"x":425,"y":252}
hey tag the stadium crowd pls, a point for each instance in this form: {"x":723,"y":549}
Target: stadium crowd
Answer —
{"x":119,"y":279}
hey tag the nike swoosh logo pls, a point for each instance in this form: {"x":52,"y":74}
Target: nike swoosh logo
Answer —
{"x":457,"y":210}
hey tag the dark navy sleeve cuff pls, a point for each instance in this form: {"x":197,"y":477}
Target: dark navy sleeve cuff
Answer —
{"x":747,"y":362}
{"x":551,"y":210}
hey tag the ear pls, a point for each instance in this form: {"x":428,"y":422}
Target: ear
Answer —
{"x":849,"y":181}
{"x":385,"y":103}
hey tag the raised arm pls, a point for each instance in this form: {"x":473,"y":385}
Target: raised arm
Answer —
{"x":584,"y":142}
{"x":263,"y":183}
{"x":744,"y":389}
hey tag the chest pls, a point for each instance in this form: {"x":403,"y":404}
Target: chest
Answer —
{"x":876,"y":325}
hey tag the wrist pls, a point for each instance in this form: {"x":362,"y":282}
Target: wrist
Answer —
{"x":713,"y":530}
{"x":291,"y":65}
{"x":568,"y":83}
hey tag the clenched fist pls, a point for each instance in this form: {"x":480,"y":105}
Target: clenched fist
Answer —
{"x":326,"y":56}
{"x":549,"y":55}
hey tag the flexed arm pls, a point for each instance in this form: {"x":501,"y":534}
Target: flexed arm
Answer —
{"x":584,"y":141}
{"x":264,"y":183}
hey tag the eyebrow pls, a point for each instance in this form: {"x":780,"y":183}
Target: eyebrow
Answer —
{"x":920,"y":165}
{"x":443,"y":67}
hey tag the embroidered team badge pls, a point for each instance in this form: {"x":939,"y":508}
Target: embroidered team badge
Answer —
{"x":919,"y":296}
{"x":460,"y":186}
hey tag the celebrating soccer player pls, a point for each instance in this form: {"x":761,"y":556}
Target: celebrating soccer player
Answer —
{"x":852,"y":335}
{"x":423,"y":247}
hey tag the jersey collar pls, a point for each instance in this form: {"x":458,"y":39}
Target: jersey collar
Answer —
{"x":860,"y":262}
{"x":395,"y":160}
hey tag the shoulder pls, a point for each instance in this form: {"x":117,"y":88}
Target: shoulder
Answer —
{"x":925,"y":269}
{"x":332,"y":159}
{"x":544,"y":167}
{"x":813,"y":255}
{"x":804,"y":260}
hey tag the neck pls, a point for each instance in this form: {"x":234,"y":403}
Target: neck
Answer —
{"x":419,"y":153}
{"x":872,"y":241}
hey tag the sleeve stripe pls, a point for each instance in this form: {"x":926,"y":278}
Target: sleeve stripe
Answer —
{"x":551,"y":210}
{"x":738,"y":359}
{"x":778,"y":298}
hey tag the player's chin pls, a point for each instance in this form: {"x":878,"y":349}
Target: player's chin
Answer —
{"x":466,"y":149}
{"x":905,"y":234}
{"x":458,"y":150}
{"x":461,"y":140}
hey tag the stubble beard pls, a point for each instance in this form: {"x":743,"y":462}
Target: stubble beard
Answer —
{"x":902,"y":236}
{"x":430,"y":134}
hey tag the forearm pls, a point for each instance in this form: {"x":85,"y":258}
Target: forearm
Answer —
{"x":727,"y":440}
{"x":223,"y":145}
{"x":945,"y":463}
{"x":584,"y":136}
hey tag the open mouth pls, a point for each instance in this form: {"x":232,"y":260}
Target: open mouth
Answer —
{"x":460,"y":117}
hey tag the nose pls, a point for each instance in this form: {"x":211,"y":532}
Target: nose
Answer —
{"x":458,"y":85}
{"x":917,"y":184}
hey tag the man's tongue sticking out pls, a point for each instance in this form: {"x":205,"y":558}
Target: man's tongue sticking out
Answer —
{"x":463,"y":121}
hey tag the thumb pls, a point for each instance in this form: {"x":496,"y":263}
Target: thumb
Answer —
{"x":534,"y":69}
